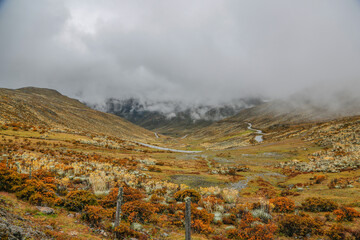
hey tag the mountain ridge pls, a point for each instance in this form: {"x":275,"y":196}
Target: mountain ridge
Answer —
{"x":49,"y":107}
{"x":173,"y":118}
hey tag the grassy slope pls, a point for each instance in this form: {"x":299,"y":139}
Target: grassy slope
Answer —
{"x":48,"y":107}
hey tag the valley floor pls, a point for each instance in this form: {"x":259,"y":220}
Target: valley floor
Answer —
{"x":245,"y":191}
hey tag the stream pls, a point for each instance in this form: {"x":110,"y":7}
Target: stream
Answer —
{"x":166,"y":149}
{"x":258,"y":138}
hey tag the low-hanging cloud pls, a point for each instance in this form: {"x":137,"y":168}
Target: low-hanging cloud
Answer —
{"x":194,"y":51}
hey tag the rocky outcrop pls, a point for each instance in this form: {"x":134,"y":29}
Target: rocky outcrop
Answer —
{"x":14,"y":227}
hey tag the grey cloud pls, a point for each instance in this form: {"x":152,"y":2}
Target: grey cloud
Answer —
{"x":193,"y":51}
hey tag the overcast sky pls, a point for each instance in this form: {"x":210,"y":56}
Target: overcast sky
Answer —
{"x":193,"y":50}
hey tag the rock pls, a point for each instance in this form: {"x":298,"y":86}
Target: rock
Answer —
{"x":136,"y":226}
{"x":102,"y":232}
{"x":49,"y":227}
{"x":217,"y":217}
{"x":46,"y":210}
{"x":73,"y":233}
{"x":4,"y":231}
{"x":230,"y":228}
{"x":16,"y":231}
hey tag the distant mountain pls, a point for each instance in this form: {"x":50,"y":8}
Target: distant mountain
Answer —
{"x":171,"y":117}
{"x":47,"y":107}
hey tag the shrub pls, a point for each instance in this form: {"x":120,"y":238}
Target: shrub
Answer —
{"x":201,"y":227}
{"x":337,"y":232}
{"x":176,"y":213}
{"x":129,"y":194}
{"x":282,"y":204}
{"x":317,"y":204}
{"x":229,"y":219}
{"x":319,"y":179}
{"x":240,"y":210}
{"x":123,"y":232}
{"x":77,"y":200}
{"x":138,"y":211}
{"x":37,"y":192}
{"x":9,"y":179}
{"x":250,"y":228}
{"x":211,"y":203}
{"x":95,"y":214}
{"x":182,"y":194}
{"x":346,"y":214}
{"x":200,"y":214}
{"x":219,"y":238}
{"x":355,"y":232}
{"x":294,"y":225}
{"x":156,"y":198}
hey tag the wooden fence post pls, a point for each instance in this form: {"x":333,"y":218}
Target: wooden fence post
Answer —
{"x":30,"y":169}
{"x":119,"y":203}
{"x":188,"y":219}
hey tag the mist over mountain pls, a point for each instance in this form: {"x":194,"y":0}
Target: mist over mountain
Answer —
{"x":173,"y":117}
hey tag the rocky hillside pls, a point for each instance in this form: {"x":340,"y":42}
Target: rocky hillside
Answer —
{"x":46,"y":107}
{"x":273,"y":118}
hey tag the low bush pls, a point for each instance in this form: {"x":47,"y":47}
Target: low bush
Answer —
{"x":346,"y":214}
{"x":250,"y":228}
{"x":211,"y":203}
{"x":282,"y":204}
{"x":200,"y":227}
{"x":241,"y":209}
{"x":138,"y":211}
{"x":177,"y":215}
{"x":201,"y":214}
{"x":338,"y":232}
{"x":37,"y":192}
{"x":355,"y":232}
{"x":95,"y":214}
{"x":182,"y":194}
{"x":229,"y":219}
{"x":124,"y":232}
{"x":317,"y":204}
{"x":319,"y":179}
{"x":299,"y":226}
{"x":129,"y":194}
{"x":77,"y":200}
{"x":10,"y":179}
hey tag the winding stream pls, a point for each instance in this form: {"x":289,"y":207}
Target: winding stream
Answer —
{"x":258,"y":138}
{"x":166,"y":149}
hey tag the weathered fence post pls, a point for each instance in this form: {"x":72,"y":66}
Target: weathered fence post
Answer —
{"x":188,"y":219}
{"x":119,"y":202}
{"x":30,"y":169}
